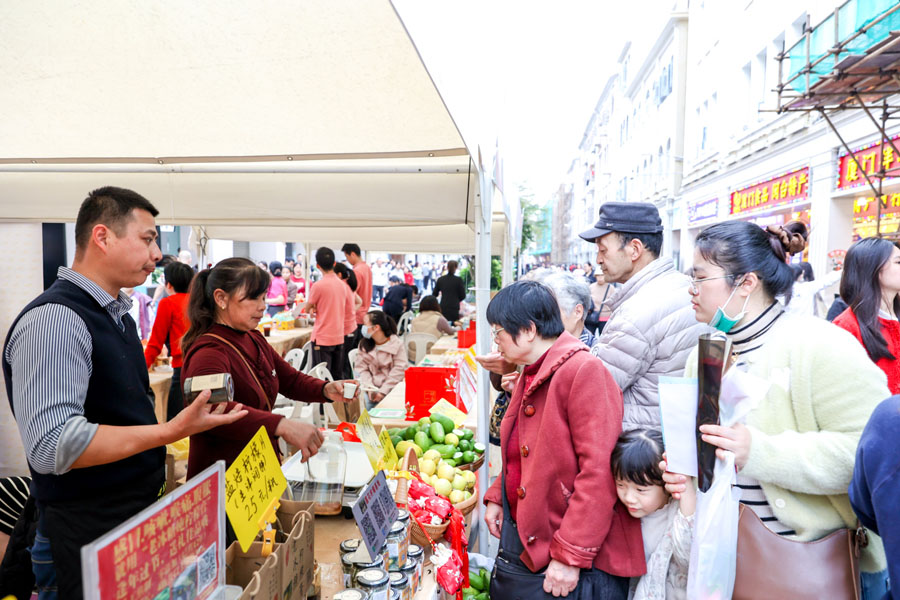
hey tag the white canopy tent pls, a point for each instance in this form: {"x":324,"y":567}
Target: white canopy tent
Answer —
{"x":316,"y":115}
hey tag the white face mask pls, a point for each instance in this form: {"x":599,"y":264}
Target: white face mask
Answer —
{"x":365,"y":332}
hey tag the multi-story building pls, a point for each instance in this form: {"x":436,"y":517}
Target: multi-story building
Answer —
{"x":744,"y":162}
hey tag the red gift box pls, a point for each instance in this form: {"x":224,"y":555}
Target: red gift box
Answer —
{"x":465,"y":338}
{"x":426,"y":385}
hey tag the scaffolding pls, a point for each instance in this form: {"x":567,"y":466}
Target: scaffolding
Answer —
{"x":849,"y":61}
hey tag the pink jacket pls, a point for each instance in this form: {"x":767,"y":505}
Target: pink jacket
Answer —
{"x":384,"y":366}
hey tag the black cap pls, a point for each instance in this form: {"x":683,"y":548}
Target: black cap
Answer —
{"x":624,"y":217}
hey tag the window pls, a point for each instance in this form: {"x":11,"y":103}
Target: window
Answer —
{"x":664,"y":84}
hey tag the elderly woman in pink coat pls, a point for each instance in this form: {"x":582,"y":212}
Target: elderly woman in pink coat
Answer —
{"x":382,"y":355}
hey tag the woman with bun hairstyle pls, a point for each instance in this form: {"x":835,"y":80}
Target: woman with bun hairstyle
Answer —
{"x":226,"y":304}
{"x":870,"y":285}
{"x":795,"y":453}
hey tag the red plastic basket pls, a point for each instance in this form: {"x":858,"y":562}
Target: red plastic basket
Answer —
{"x":426,"y":385}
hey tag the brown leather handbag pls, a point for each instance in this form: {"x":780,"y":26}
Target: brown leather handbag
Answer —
{"x":773,"y":566}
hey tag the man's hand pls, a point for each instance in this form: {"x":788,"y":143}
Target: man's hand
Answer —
{"x":495,"y":363}
{"x":493,"y":517}
{"x":560,"y":579}
{"x":334,"y":391}
{"x":200,"y":416}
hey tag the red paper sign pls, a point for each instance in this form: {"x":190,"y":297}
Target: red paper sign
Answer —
{"x":869,"y":160}
{"x":785,"y":189}
{"x":173,"y":549}
{"x":867,"y":207}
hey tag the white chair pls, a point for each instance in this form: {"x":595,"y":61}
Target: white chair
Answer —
{"x":351,"y":356}
{"x":421,"y":343}
{"x":296,"y":357}
{"x":320,"y":371}
{"x":307,"y":362}
{"x":405,"y":319}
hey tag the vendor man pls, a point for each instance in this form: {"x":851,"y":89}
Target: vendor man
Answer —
{"x":78,"y":385}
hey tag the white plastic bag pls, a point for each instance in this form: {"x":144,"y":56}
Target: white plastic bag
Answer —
{"x":714,"y":547}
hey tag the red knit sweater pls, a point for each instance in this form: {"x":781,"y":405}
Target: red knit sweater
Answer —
{"x":208,"y":356}
{"x":171,"y":324}
{"x":891,"y":332}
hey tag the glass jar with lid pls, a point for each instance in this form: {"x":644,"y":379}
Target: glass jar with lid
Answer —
{"x":374,"y":582}
{"x":362,"y":561}
{"x":415,"y":551}
{"x":411,"y":570}
{"x":397,"y":543}
{"x":351,"y":594}
{"x":400,"y":582}
{"x":323,"y":481}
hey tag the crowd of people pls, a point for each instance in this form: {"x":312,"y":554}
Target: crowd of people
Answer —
{"x":814,"y":457}
{"x":586,"y":506}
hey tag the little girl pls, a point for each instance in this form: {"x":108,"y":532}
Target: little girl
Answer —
{"x":666,"y":523}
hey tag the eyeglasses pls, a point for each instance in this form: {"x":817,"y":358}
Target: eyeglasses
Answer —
{"x":695,"y":283}
{"x":495,"y":333}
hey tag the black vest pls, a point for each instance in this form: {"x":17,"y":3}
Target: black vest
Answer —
{"x":118,"y":394}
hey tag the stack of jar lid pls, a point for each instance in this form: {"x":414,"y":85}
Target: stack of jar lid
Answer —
{"x":394,"y":573}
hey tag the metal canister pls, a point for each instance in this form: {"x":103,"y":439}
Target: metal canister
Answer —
{"x":400,"y":583}
{"x":221,"y":385}
{"x":374,"y":582}
{"x":351,"y":594}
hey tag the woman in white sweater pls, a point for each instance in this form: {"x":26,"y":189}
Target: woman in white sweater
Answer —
{"x":795,"y":454}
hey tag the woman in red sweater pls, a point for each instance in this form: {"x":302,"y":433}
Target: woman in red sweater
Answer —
{"x":870,"y":285}
{"x":169,"y":327}
{"x":555,"y":509}
{"x":227,"y":303}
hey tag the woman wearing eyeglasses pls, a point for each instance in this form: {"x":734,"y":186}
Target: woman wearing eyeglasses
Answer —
{"x":562,"y":530}
{"x":796,"y":451}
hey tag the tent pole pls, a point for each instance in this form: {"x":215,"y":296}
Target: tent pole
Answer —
{"x":483,"y":216}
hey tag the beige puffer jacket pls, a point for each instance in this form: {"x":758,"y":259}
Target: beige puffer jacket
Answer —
{"x":384,"y":366}
{"x":650,"y":333}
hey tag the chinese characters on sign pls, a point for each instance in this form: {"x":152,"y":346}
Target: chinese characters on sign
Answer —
{"x":869,"y":160}
{"x":253,"y":482}
{"x":379,"y":448}
{"x":375,"y":512}
{"x":786,"y":189}
{"x":172,"y":549}
{"x":867,"y":207}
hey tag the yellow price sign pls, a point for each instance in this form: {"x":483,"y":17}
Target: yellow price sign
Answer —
{"x":379,"y":448}
{"x":442,"y":407}
{"x":253,"y":484}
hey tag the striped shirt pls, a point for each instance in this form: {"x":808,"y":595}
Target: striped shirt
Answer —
{"x":13,"y":495}
{"x":50,"y":354}
{"x":745,"y":341}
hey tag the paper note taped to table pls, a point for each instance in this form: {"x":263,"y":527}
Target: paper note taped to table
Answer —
{"x":253,"y":484}
{"x":378,"y":448}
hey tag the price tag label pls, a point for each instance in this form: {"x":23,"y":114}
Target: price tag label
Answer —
{"x":379,"y":448}
{"x":442,"y":407}
{"x":375,"y":512}
{"x":253,"y":483}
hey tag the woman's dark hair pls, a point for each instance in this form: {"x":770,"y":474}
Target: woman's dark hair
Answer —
{"x":232,"y":276}
{"x":517,"y":306}
{"x":740,"y":247}
{"x":807,"y":271}
{"x":347,"y":274}
{"x":275,"y":268}
{"x":429,"y":303}
{"x":637,"y":455}
{"x":451,"y":267}
{"x":388,"y":328}
{"x":179,"y":276}
{"x":861,"y":290}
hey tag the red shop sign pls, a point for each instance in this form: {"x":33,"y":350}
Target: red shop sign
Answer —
{"x":867,"y":207}
{"x":784,"y":189}
{"x":870,"y":160}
